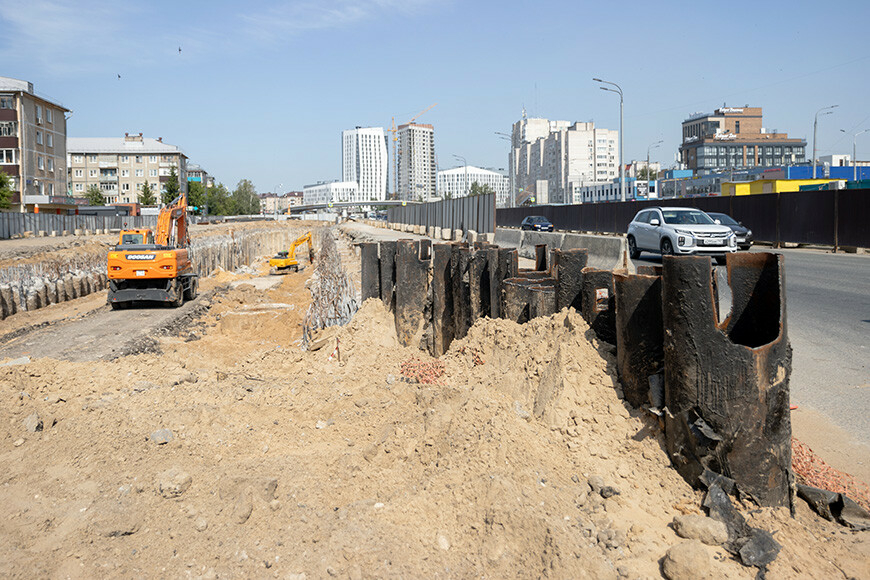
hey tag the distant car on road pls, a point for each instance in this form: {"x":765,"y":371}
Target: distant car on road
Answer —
{"x":679,"y":231}
{"x":744,"y":234}
{"x":536,"y":222}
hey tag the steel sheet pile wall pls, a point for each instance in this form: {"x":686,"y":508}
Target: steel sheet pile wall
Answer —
{"x":17,"y":224}
{"x":475,"y":213}
{"x":829,"y":217}
{"x":722,"y":389}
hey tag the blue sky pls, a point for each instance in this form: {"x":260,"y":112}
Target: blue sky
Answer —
{"x":262,"y":90}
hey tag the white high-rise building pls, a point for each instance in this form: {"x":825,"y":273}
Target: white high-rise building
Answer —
{"x":456,"y":182}
{"x":364,"y":160}
{"x":561,"y":155}
{"x":416,"y":162}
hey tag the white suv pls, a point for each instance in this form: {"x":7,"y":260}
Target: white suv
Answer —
{"x":679,"y":231}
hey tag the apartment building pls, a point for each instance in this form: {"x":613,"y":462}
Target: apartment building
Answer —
{"x":456,"y":182}
{"x":734,"y":138}
{"x":195,"y":173}
{"x":364,"y":160}
{"x":550,"y":160}
{"x":415,"y":159}
{"x":121,"y":166}
{"x":32,"y":147}
{"x":331,"y":192}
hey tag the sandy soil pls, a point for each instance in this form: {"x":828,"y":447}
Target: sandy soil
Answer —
{"x":290,"y":464}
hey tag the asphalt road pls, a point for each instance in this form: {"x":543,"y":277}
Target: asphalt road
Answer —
{"x":828,"y":313}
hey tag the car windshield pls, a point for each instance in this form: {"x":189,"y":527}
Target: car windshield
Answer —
{"x":686,"y":217}
{"x":537,"y":219}
{"x":724,"y":219}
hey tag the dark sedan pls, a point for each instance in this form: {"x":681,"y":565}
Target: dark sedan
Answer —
{"x":744,"y":234}
{"x":538,"y":223}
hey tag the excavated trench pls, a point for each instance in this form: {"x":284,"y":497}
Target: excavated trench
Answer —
{"x":35,"y":285}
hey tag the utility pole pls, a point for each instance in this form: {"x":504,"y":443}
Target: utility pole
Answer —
{"x":855,"y":153}
{"x":621,"y":136}
{"x":815,"y":131}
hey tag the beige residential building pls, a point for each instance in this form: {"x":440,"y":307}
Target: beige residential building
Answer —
{"x":120,"y":167}
{"x":415,"y":159}
{"x":32,"y":147}
{"x":550,"y":160}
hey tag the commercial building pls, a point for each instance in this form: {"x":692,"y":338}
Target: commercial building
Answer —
{"x":457,"y":182}
{"x":734,"y":138}
{"x":364,"y":160}
{"x":331,"y":192}
{"x":121,"y":166}
{"x":279,"y":202}
{"x":33,"y":147}
{"x":415,"y":160}
{"x":551,"y":161}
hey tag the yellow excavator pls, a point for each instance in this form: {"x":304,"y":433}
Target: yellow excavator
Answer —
{"x":284,"y":262}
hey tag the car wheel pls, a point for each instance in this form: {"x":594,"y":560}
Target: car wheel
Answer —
{"x":633,"y":252}
{"x":667,"y":247}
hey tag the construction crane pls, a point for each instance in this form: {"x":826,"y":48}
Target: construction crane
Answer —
{"x":393,"y":130}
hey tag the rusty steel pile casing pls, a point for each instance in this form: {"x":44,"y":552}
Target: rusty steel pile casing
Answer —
{"x":541,"y":264}
{"x":639,"y":333}
{"x":412,"y":289}
{"x":478,"y":285}
{"x":542,"y":301}
{"x":527,"y":297}
{"x":726,"y":385}
{"x":568,"y":270}
{"x":598,"y":307}
{"x":387,"y":261}
{"x":442,"y":299}
{"x":370,"y":277}
{"x":460,"y":262}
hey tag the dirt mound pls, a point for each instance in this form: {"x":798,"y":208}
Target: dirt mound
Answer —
{"x":235,"y":454}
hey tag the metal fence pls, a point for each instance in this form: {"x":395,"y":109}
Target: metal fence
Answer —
{"x":830,"y":217}
{"x":465,"y":213}
{"x":15,"y":223}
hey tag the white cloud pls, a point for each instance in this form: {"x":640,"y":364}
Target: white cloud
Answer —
{"x":67,"y":38}
{"x":288,"y":19}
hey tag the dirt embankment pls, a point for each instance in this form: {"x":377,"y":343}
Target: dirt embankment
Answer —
{"x":231,"y":453}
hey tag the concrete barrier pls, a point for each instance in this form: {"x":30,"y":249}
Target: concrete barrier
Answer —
{"x":532,"y":239}
{"x":605,"y":252}
{"x":508,"y":237}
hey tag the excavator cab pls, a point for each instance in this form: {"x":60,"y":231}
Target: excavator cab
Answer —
{"x":136,"y":237}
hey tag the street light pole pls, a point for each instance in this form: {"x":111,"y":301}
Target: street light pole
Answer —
{"x":465,"y":163}
{"x":815,"y":130}
{"x":621,"y":136}
{"x":653,"y":146}
{"x":855,"y":153}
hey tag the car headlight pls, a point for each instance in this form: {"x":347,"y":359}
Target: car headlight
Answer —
{"x":748,"y":233}
{"x":684,"y":238}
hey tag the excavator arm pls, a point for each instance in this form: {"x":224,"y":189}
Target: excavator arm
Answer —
{"x":174,"y":214}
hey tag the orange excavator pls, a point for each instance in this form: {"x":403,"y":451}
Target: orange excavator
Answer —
{"x":154,"y":267}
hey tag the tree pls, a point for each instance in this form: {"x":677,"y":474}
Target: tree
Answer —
{"x":95,"y":196}
{"x":196,"y":194}
{"x":219,"y":200}
{"x":146,"y":196}
{"x":5,"y":191}
{"x":477,"y":189}
{"x":245,"y":198}
{"x":171,"y":189}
